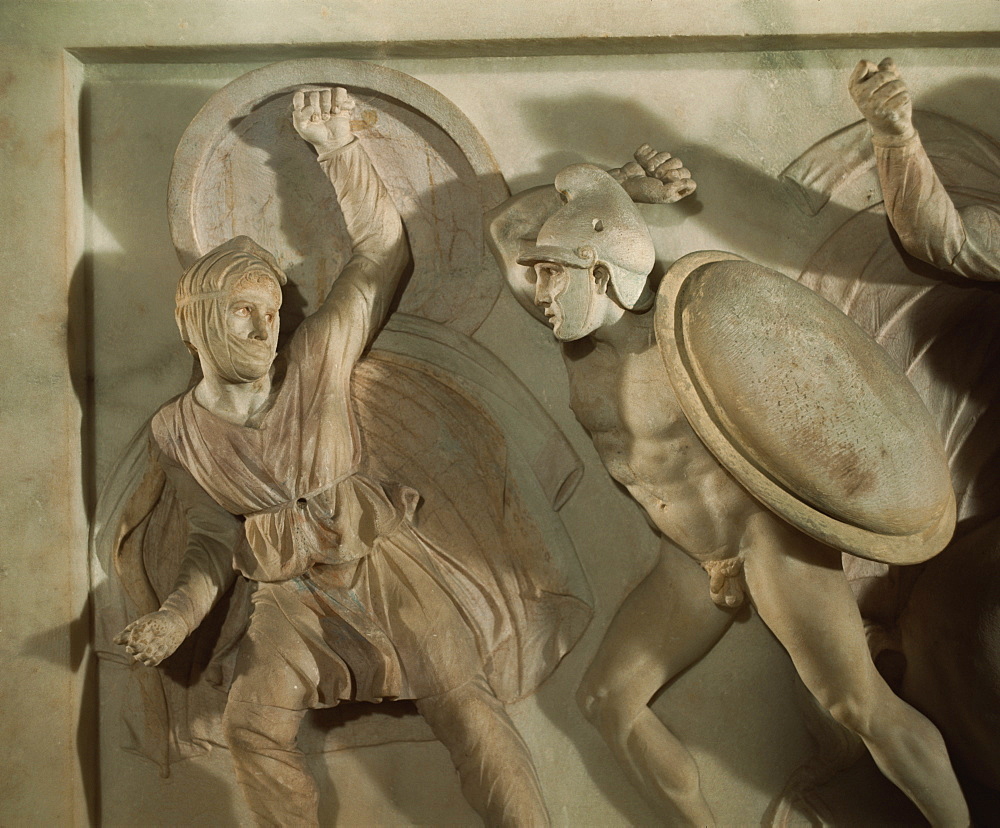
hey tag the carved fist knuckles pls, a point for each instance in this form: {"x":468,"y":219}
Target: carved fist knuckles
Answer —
{"x":656,"y":177}
{"x":323,"y":117}
{"x":881,"y":95}
{"x":153,"y":637}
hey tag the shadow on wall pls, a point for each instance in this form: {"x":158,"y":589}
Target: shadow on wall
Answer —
{"x":80,"y":656}
{"x":962,"y":99}
{"x":745,"y":208}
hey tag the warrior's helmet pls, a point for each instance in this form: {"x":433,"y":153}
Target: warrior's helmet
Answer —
{"x":598,"y":224}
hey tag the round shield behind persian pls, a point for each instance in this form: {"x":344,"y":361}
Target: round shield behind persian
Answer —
{"x":240,"y":169}
{"x":804,"y":408}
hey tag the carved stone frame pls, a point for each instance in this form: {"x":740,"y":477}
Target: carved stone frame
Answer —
{"x":48,"y":730}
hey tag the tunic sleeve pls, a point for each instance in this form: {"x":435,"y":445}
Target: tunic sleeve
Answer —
{"x":334,"y":337}
{"x":206,"y":571}
{"x":964,"y":241}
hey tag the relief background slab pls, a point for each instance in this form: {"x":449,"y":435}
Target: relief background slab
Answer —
{"x":737,"y":96}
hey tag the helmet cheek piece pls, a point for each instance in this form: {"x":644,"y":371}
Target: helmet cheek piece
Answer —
{"x":628,"y":289}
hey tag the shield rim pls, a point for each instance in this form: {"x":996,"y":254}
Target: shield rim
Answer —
{"x":847,"y":537}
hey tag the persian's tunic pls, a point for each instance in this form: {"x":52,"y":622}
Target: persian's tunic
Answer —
{"x":351,"y":602}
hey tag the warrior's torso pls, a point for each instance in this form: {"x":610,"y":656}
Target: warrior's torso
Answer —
{"x":624,"y":400}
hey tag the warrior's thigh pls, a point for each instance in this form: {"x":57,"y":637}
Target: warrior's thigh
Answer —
{"x":664,"y":625}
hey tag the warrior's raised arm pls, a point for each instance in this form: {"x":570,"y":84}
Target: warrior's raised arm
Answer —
{"x":359,"y":300}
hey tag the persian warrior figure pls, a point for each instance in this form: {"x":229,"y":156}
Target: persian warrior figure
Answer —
{"x":351,"y":602}
{"x":930,"y":227}
{"x":579,"y":256}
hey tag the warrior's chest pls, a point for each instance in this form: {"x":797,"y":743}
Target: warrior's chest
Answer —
{"x":622,"y":393}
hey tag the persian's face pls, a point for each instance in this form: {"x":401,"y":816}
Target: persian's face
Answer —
{"x":247,"y":347}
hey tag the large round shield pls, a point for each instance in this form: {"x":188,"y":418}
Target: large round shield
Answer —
{"x":804,"y":408}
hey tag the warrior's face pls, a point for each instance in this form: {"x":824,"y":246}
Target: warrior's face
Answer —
{"x":573,"y":299}
{"x":244,"y":350}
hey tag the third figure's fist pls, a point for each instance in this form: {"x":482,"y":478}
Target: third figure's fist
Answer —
{"x":655,"y":177}
{"x":883,"y":98}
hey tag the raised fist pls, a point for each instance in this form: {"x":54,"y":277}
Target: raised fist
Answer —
{"x":655,"y":177}
{"x":883,"y":99}
{"x":323,"y":117}
{"x":153,"y":637}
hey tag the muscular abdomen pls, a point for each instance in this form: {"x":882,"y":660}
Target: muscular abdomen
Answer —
{"x":646,"y":443}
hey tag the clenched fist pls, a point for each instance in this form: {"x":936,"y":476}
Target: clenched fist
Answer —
{"x":323,"y":117}
{"x":883,"y":99}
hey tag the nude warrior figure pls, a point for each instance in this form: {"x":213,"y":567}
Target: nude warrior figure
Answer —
{"x":589,"y":281}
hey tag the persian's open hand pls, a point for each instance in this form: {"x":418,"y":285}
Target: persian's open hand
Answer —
{"x":655,"y":177}
{"x":153,"y":637}
{"x":883,"y":98}
{"x":323,"y":117}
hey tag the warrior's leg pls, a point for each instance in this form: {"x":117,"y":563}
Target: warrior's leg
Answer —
{"x":494,"y":765}
{"x":666,"y":623}
{"x":801,"y":593}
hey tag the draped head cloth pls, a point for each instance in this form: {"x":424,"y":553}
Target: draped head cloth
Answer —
{"x":204,"y":288}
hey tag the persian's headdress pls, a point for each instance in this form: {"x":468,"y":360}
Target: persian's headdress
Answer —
{"x":213,"y":275}
{"x":201,"y":294}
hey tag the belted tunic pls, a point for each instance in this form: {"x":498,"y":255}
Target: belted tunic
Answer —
{"x":351,"y":602}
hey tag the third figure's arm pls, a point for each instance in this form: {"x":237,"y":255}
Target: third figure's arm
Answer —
{"x":929,"y":226}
